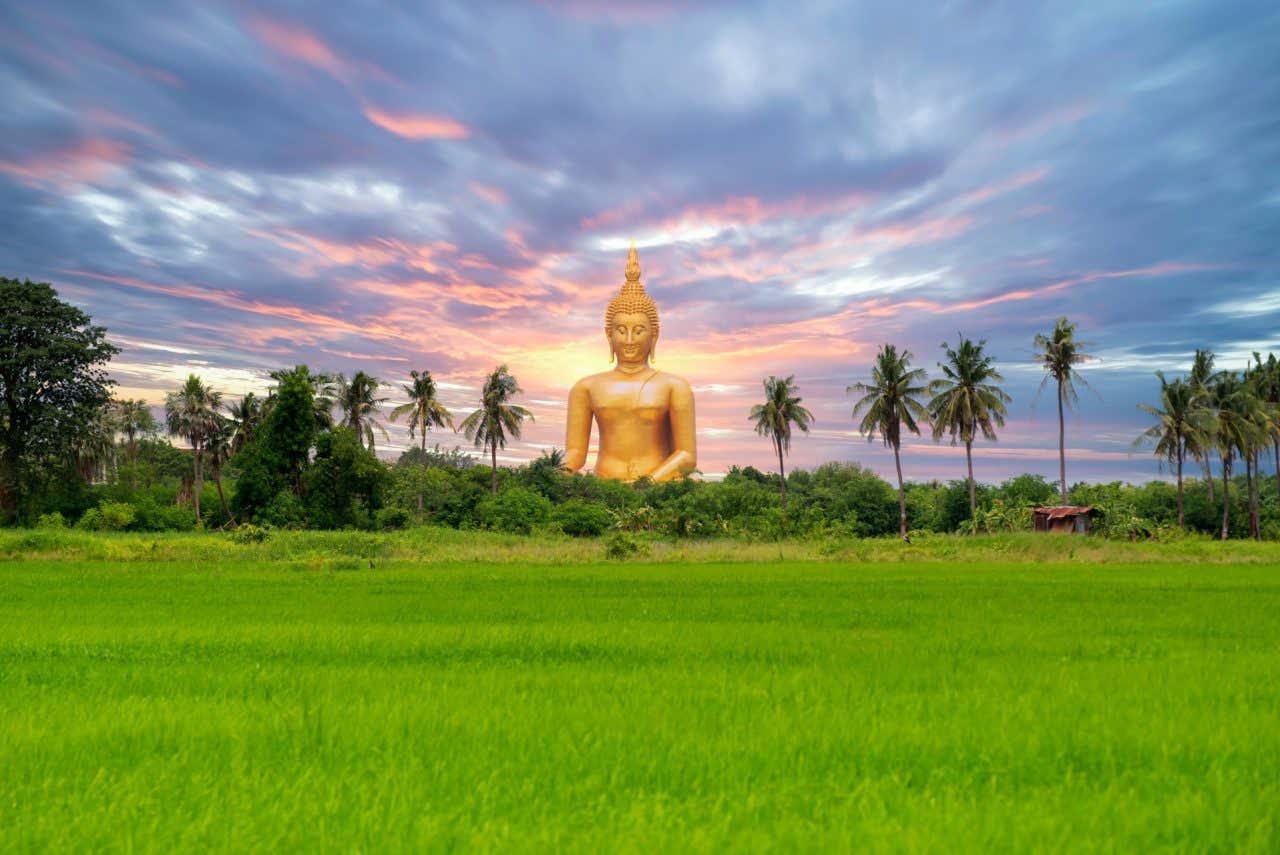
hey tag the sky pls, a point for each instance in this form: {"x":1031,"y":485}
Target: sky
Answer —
{"x":231,"y":188}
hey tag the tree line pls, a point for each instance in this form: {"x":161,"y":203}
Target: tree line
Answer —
{"x":305,"y":453}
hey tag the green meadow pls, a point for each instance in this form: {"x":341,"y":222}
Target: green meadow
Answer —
{"x":187,"y":694}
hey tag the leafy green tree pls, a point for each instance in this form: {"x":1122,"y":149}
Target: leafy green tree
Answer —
{"x":1180,"y":420}
{"x":497,"y":418}
{"x":358,"y":399}
{"x":889,"y":403}
{"x":773,"y":418}
{"x":52,"y":384}
{"x":1059,"y":355}
{"x":324,"y":392}
{"x":966,"y":401}
{"x":218,"y":449}
{"x":345,"y":483}
{"x":290,"y":427}
{"x":192,"y":413}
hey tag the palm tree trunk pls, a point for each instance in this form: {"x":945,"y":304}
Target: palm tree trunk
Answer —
{"x":422,"y":436}
{"x":1062,"y":447}
{"x":199,"y":485}
{"x":973,"y":499}
{"x":1181,"y":518}
{"x":1208,"y":474}
{"x":902,"y":495}
{"x":1226,"y":493}
{"x":493,"y":473}
{"x":1255,"y":520}
{"x":782,"y":473}
{"x":217,"y":480}
{"x":1276,"y":446}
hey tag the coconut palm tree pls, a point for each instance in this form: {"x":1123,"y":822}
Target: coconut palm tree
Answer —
{"x":218,"y":449}
{"x":966,"y":401}
{"x":890,"y":402}
{"x":192,"y":413}
{"x":423,"y":409}
{"x":781,"y":409}
{"x":497,"y":417}
{"x":1059,"y":355}
{"x":1180,"y":422}
{"x":1199,"y":379}
{"x":1268,"y":386}
{"x":1233,"y":406}
{"x":246,"y":417}
{"x":358,"y":399}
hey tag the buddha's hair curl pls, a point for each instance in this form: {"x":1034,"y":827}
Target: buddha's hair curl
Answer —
{"x":632,"y":299}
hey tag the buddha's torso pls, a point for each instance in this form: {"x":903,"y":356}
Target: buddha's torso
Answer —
{"x":633,"y":416}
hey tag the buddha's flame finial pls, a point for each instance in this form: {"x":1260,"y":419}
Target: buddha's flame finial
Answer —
{"x":633,"y":264}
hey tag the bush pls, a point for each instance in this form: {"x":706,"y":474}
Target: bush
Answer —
{"x":621,"y":546}
{"x":249,"y":533}
{"x":388,"y":519}
{"x":54,"y":520}
{"x":515,"y":509}
{"x":150,"y":515}
{"x":284,"y":511}
{"x":583,"y":519}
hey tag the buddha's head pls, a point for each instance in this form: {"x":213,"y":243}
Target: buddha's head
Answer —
{"x":631,"y":321}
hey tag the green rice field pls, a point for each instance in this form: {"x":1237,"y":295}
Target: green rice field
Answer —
{"x":917,"y":705}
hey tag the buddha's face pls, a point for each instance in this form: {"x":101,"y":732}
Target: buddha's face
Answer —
{"x":631,"y":338}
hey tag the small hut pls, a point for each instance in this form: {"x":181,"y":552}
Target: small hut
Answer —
{"x":1063,"y":519}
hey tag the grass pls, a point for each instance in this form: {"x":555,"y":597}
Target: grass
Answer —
{"x":802,"y":705}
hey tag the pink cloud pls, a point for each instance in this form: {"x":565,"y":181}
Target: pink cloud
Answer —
{"x":83,"y":162}
{"x":418,"y":126}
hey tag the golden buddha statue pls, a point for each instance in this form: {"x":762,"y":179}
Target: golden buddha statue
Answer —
{"x":645,"y":416}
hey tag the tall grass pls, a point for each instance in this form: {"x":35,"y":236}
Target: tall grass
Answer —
{"x":241,"y":705}
{"x":431,"y":545}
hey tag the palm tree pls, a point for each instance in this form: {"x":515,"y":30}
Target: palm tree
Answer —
{"x":774,"y":418}
{"x":1268,"y":385}
{"x":133,"y":417}
{"x":889,"y":402}
{"x":424,"y":409}
{"x":1199,"y":378}
{"x":218,"y":446}
{"x":1059,"y":355}
{"x":1180,"y":424}
{"x":1235,"y":419}
{"x":966,"y":400}
{"x":192,"y":413}
{"x":246,"y":417}
{"x":497,"y":418}
{"x":359,"y":403}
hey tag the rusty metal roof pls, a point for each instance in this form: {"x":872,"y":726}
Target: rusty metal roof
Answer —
{"x":1061,"y":511}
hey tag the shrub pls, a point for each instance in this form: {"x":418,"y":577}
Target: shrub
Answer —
{"x":90,"y":520}
{"x":284,"y":511}
{"x":583,"y":519}
{"x":388,"y":519}
{"x":620,"y":546}
{"x":150,"y":515}
{"x":54,"y":520}
{"x":515,"y":509}
{"x":249,"y":533}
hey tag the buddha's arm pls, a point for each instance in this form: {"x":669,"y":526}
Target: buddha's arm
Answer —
{"x":578,"y":428}
{"x":684,"y":454}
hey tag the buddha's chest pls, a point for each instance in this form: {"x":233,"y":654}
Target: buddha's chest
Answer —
{"x":630,"y":401}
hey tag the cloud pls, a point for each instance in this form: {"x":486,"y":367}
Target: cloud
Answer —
{"x":451,"y":187}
